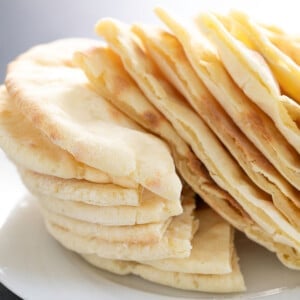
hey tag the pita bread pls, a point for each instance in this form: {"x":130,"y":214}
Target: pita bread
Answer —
{"x":221,"y":283}
{"x":286,"y":71}
{"x":253,"y":76}
{"x":250,"y":228}
{"x":288,"y":44}
{"x":176,"y":242}
{"x":29,"y":148}
{"x":151,"y":209}
{"x":134,"y":234}
{"x":193,"y":130}
{"x":169,"y":55}
{"x":101,"y":194}
{"x":104,"y":69}
{"x":58,"y":100}
{"x":211,"y":252}
{"x":256,"y":126}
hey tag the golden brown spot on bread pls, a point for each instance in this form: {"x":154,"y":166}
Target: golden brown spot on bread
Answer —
{"x":152,"y":119}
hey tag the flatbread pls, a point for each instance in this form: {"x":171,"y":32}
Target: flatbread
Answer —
{"x":29,"y":148}
{"x":286,"y":71}
{"x":151,"y":209}
{"x":212,"y":248}
{"x":223,"y":169}
{"x":176,"y":242}
{"x":58,"y":100}
{"x":222,"y":283}
{"x":251,"y":229}
{"x":105,"y":71}
{"x":102,"y":194}
{"x":256,"y":126}
{"x":287,"y":43}
{"x":133,"y":234}
{"x":251,"y":73}
{"x":169,"y":55}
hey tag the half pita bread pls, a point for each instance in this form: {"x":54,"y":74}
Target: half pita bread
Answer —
{"x":58,"y":100}
{"x":169,"y":55}
{"x":151,"y":209}
{"x":176,"y":242}
{"x":134,"y":234}
{"x":221,"y":283}
{"x":212,"y":248}
{"x":193,"y":130}
{"x":29,"y":148}
{"x":102,"y":194}
{"x":251,"y":73}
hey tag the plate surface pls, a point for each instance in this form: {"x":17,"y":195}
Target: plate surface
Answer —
{"x":34,"y":266}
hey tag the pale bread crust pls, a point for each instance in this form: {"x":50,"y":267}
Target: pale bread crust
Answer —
{"x":250,"y":228}
{"x":117,"y":86}
{"x":285,"y":70}
{"x":222,"y":283}
{"x":176,"y":242}
{"x":134,"y":234}
{"x":289,"y":44}
{"x":151,"y":209}
{"x":102,"y":194}
{"x":169,"y":55}
{"x":248,"y":69}
{"x":223,"y":169}
{"x":212,"y":248}
{"x":28,"y":147}
{"x":50,"y":94}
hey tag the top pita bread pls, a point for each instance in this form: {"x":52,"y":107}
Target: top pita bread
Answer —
{"x":29,"y":148}
{"x":57,"y":99}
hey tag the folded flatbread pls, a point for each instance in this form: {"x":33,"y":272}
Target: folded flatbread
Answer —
{"x":176,"y":241}
{"x":102,"y":194}
{"x":28,"y":147}
{"x":252,"y":74}
{"x":134,"y":234}
{"x":169,"y":55}
{"x":212,"y":248}
{"x":223,"y":169}
{"x":57,"y":99}
{"x":195,"y":49}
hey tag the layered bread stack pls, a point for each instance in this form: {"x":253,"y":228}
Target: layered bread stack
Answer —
{"x":244,"y":133}
{"x":107,"y":189}
{"x":97,"y":130}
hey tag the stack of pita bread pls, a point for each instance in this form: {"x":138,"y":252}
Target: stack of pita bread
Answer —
{"x":244,"y":140}
{"x":98,"y":130}
{"x":107,"y":188}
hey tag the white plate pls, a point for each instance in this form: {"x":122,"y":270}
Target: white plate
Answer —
{"x":35,"y":267}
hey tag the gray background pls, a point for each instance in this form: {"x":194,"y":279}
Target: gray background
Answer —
{"x":24,"y":23}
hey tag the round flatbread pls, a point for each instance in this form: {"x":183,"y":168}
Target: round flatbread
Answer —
{"x":57,"y":99}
